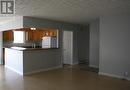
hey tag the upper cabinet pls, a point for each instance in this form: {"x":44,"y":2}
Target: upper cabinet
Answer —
{"x":8,"y":36}
{"x":37,"y":35}
{"x":30,"y":35}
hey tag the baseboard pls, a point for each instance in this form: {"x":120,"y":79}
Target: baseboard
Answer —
{"x":42,"y":70}
{"x":112,"y":75}
{"x":94,"y":66}
{"x":13,"y":70}
{"x":32,"y":72}
{"x":128,"y":79}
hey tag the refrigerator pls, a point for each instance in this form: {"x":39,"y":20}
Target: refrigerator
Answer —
{"x":49,"y":42}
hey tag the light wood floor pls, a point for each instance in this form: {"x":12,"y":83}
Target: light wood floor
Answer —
{"x":61,"y":79}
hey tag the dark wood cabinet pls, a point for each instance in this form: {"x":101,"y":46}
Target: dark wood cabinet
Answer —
{"x":8,"y":36}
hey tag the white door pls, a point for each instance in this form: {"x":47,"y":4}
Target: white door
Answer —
{"x":67,"y":47}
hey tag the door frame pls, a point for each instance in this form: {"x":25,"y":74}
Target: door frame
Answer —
{"x":72,"y":34}
{"x":1,"y":49}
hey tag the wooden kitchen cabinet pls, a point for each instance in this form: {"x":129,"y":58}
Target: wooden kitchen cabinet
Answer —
{"x":38,"y":35}
{"x":8,"y":36}
{"x":31,"y":35}
{"x":35,"y":35}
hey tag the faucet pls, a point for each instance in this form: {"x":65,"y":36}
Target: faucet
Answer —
{"x":33,"y":45}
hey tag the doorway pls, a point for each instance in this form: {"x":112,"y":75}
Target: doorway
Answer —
{"x":67,"y":47}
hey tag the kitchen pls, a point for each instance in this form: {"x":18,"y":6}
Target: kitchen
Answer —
{"x":52,"y":57}
{"x":27,"y":50}
{"x":30,"y":37}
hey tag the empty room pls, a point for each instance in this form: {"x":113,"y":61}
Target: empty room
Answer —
{"x":64,"y":44}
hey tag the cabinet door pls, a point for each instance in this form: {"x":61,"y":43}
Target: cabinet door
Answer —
{"x":38,"y":35}
{"x":8,"y":36}
{"x":30,"y":35}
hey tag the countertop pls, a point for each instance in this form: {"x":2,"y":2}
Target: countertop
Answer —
{"x":26,"y":48}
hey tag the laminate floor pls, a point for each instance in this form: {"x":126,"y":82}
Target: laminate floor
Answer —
{"x":71,"y":78}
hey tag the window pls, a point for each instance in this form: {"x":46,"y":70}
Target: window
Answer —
{"x":19,"y":36}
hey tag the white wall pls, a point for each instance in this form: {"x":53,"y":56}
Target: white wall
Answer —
{"x":94,"y":44}
{"x":115,"y":45}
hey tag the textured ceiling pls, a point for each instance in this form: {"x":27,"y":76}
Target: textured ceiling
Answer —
{"x":74,"y":11}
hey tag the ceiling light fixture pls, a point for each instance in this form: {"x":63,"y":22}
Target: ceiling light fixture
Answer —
{"x":33,"y":28}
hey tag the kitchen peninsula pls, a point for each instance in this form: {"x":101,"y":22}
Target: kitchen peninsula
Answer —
{"x":31,"y":60}
{"x":37,"y":51}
